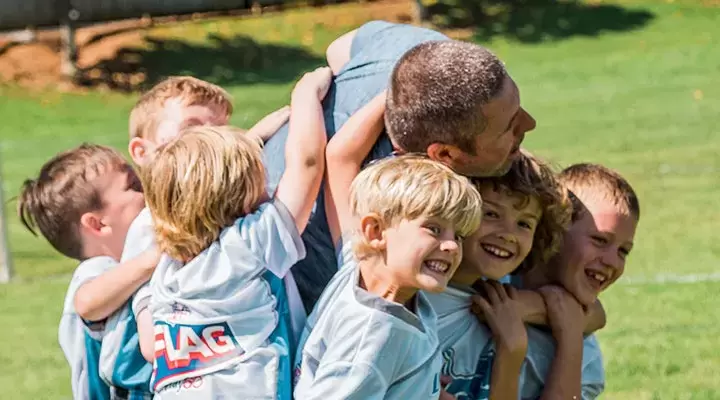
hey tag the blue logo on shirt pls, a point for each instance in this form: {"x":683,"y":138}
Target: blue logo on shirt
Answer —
{"x":475,"y":386}
{"x":183,"y":351}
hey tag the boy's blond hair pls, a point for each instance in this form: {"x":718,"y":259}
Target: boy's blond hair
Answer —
{"x":593,"y":182}
{"x":200,"y":183}
{"x":413,"y":186}
{"x":147,"y":114}
{"x":530,"y":177}
{"x":55,"y":201}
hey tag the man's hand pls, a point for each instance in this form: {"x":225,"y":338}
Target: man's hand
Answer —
{"x":565,"y":315}
{"x":502,"y":313}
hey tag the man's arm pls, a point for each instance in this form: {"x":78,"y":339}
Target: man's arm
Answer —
{"x":305,"y":147}
{"x":338,"y":53}
{"x":96,"y":299}
{"x":344,"y":156}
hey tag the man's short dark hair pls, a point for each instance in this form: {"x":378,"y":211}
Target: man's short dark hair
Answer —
{"x":436,"y":93}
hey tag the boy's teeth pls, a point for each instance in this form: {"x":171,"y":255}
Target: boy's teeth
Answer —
{"x":597,"y":276}
{"x":496,"y":251}
{"x":438,"y":266}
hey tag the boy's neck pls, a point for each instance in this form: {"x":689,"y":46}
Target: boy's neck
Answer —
{"x":374,"y":279}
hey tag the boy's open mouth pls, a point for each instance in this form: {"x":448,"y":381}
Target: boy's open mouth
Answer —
{"x":497,"y":251}
{"x":597,"y":279}
{"x":438,"y":266}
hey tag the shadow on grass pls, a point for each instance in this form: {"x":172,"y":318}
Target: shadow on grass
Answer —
{"x":224,"y":61}
{"x":535,"y":21}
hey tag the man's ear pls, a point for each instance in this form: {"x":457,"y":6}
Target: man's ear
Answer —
{"x":140,"y":150}
{"x":93,"y":224}
{"x":447,"y":154}
{"x":372,"y":230}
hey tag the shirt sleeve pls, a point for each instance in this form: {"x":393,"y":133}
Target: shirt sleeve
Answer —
{"x":271,"y":235}
{"x":141,"y":299}
{"x":349,"y":381}
{"x":140,"y":236}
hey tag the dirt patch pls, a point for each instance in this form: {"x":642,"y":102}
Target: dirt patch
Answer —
{"x":101,"y":63}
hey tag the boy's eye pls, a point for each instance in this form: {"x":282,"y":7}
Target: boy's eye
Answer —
{"x":624,"y":252}
{"x":459,"y":237}
{"x":490,"y":214}
{"x":525,"y":225}
{"x":434,"y":229}
{"x":599,"y":240}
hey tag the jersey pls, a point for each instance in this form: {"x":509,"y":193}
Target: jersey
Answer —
{"x":81,"y":340}
{"x":468,"y":352}
{"x":122,"y":365}
{"x":222,"y":328}
{"x":357,"y":345}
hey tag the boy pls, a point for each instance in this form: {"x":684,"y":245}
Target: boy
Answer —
{"x":373,"y":333}
{"x":525,"y":213}
{"x":83,"y":202}
{"x":606,"y":212}
{"x":157,"y":118}
{"x":217,"y":303}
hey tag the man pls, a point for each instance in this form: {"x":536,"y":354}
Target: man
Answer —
{"x":450,"y":99}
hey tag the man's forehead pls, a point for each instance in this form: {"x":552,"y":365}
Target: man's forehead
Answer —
{"x":505,"y":105}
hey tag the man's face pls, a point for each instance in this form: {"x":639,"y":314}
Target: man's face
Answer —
{"x":499,"y":144}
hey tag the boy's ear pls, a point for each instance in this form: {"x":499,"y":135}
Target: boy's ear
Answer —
{"x":140,"y":150}
{"x":372,"y":230}
{"x":94,"y":224}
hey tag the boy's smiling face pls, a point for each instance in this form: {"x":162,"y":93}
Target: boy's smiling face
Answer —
{"x":594,"y":251}
{"x":423,"y":253}
{"x":504,"y":238}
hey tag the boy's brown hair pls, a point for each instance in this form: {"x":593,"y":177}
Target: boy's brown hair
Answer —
{"x":146,"y":115}
{"x":200,"y":183}
{"x":587,"y":182}
{"x":55,"y":201}
{"x":436,"y":93}
{"x":529,"y":177}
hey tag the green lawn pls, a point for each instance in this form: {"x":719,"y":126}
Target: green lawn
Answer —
{"x":631,"y":84}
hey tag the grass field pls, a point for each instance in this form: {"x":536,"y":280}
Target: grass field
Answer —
{"x":631,"y":84}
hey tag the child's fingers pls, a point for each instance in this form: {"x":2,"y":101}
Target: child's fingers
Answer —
{"x":511,"y":291}
{"x":445,"y":380}
{"x":480,"y":305}
{"x":499,"y":292}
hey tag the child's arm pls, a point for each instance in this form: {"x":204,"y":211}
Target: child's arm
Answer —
{"x":565,"y":376}
{"x":305,"y":147}
{"x":96,"y":299}
{"x":146,"y":334}
{"x":534,"y":311}
{"x":510,"y":335}
{"x":344,"y":156}
{"x":269,"y":124}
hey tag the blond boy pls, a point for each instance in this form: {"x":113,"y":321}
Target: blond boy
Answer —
{"x":83,"y":203}
{"x":373,"y":333}
{"x":218,"y":306}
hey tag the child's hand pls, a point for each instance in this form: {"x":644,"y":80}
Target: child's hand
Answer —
{"x":317,"y":82}
{"x":150,"y":258}
{"x":444,"y":382}
{"x":502,"y":313}
{"x":565,"y":315}
{"x":269,"y":125}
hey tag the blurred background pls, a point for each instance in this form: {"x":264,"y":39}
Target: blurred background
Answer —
{"x":633,"y":84}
